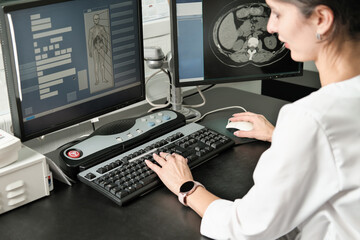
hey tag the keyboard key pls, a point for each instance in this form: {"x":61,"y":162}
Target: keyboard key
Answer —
{"x":121,"y":193}
{"x":130,"y":189}
{"x":116,"y":189}
{"x":149,"y":179}
{"x":192,"y":157}
{"x":90,"y":176}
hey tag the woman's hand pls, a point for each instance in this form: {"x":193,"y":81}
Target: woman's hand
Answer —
{"x":262,"y":128}
{"x":173,"y":170}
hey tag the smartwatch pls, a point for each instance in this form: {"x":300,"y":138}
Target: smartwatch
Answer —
{"x":186,"y":189}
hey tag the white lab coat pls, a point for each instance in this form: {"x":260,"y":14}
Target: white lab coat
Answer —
{"x":309,"y":178}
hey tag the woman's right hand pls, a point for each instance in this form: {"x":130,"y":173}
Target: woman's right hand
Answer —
{"x":262,"y":128}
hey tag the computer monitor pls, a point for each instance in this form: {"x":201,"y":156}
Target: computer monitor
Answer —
{"x":226,"y":41}
{"x":70,"y":61}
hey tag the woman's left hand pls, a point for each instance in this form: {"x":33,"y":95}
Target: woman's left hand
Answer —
{"x":173,"y":170}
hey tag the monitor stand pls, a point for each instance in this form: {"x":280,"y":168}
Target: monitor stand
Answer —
{"x":155,"y":59}
{"x":176,"y":100}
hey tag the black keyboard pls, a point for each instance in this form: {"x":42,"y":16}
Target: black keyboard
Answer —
{"x":126,"y":176}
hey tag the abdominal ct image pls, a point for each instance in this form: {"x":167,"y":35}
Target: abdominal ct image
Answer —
{"x":237,"y":35}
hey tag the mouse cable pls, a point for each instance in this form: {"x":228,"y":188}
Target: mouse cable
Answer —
{"x":218,"y":110}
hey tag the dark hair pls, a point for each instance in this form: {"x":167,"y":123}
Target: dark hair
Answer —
{"x":346,"y":15}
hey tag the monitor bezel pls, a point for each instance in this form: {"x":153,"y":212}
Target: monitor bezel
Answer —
{"x":12,"y":79}
{"x":175,"y":62}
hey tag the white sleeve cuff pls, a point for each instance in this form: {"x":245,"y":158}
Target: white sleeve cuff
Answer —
{"x":215,"y":222}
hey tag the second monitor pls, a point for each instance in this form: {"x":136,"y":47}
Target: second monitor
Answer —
{"x":226,"y":41}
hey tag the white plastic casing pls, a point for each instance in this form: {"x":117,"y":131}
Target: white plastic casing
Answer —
{"x":24,"y":181}
{"x":9,"y":147}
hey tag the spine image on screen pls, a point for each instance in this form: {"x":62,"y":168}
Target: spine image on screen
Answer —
{"x":239,"y":36}
{"x":97,"y":30}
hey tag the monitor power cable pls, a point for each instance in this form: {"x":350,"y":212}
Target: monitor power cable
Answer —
{"x":202,"y":97}
{"x":157,"y":106}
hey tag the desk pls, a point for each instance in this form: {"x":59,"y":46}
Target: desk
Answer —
{"x":79,"y":212}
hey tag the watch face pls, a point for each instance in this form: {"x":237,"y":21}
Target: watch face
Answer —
{"x":187,"y":186}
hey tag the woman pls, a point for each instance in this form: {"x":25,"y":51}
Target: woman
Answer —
{"x":309,"y":177}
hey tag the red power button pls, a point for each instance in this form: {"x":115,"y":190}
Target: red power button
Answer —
{"x":74,"y":153}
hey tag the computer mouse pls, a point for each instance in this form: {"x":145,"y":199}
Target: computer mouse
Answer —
{"x":242,"y":126}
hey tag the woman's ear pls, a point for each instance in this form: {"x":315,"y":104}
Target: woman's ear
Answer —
{"x":323,"y":18}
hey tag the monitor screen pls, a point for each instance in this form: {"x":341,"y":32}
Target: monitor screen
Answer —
{"x":70,"y":61}
{"x":226,"y":41}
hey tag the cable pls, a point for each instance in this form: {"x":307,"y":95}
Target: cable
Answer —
{"x":68,"y":144}
{"x":202,"y":97}
{"x":203,"y":90}
{"x":157,"y":106}
{"x":218,"y":110}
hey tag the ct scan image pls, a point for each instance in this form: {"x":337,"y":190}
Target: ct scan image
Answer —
{"x":235,"y":37}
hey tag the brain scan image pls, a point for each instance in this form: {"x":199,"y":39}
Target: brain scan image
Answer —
{"x":238,"y":36}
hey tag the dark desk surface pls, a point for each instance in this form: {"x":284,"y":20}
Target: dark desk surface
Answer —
{"x":79,"y":212}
